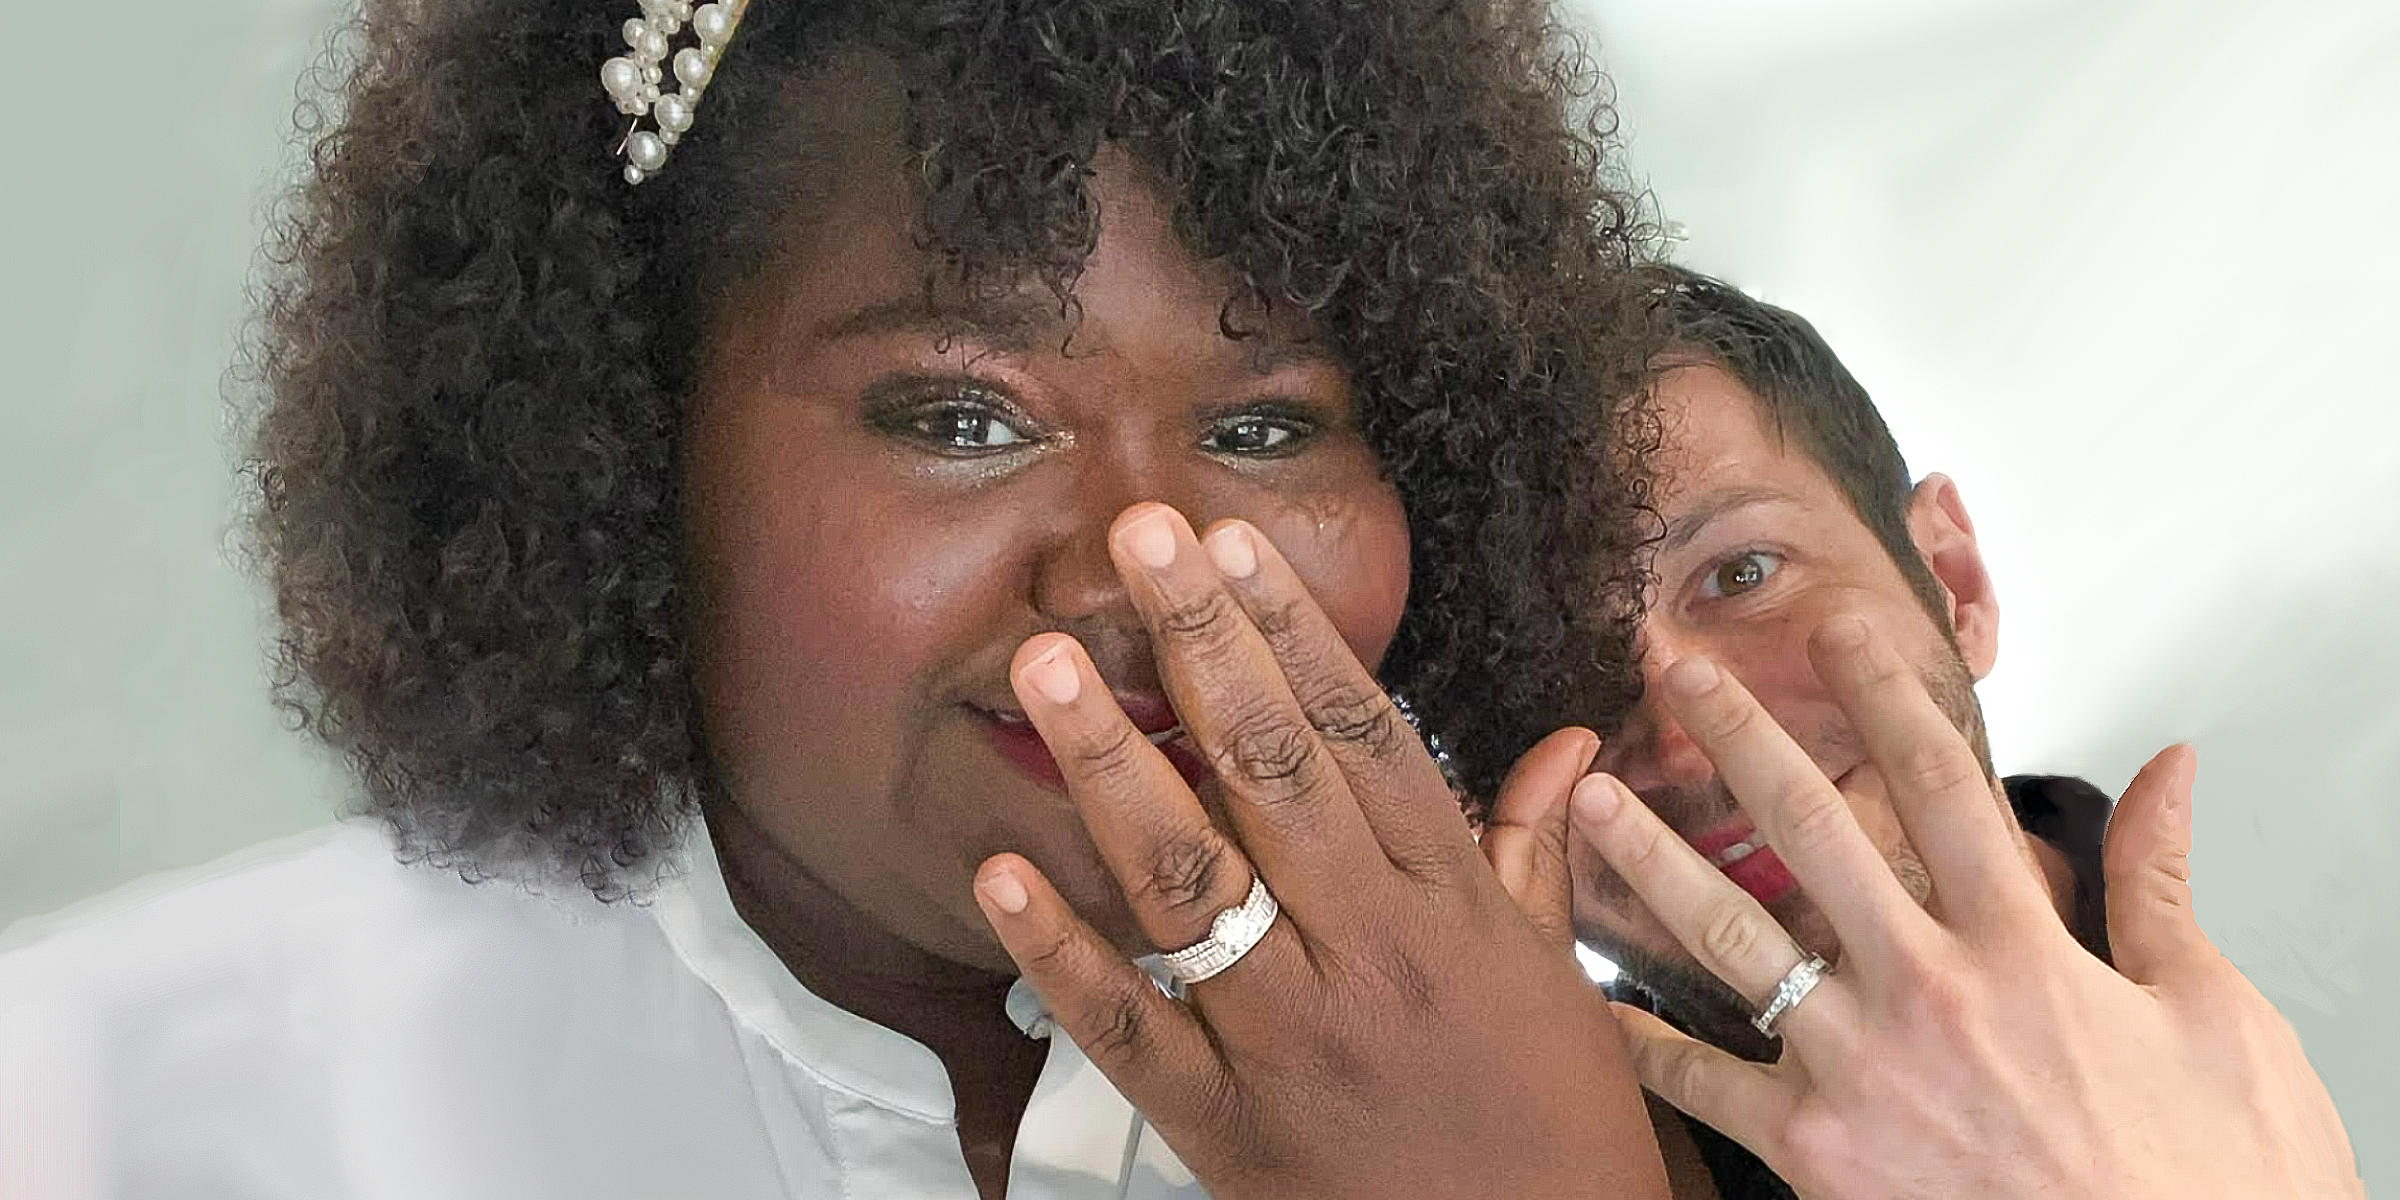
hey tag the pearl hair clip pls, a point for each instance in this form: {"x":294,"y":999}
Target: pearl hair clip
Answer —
{"x":635,"y":80}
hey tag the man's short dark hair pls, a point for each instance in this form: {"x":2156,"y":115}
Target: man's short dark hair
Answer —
{"x":1807,"y":395}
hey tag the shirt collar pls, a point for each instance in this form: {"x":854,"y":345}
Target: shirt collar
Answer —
{"x":838,"y":1047}
{"x":1078,"y":1136}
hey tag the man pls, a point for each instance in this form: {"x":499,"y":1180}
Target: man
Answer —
{"x":1785,"y":505}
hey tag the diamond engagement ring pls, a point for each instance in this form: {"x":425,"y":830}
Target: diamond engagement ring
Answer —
{"x":1788,"y":994}
{"x":1230,"y":936}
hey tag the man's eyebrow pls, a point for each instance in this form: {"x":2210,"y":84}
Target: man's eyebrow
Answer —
{"x":1708,"y":508}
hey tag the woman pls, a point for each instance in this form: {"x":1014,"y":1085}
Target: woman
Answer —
{"x":729,"y":478}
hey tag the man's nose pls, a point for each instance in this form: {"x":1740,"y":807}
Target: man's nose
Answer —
{"x":1656,"y":751}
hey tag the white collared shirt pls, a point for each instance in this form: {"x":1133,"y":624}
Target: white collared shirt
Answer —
{"x":313,"y":1020}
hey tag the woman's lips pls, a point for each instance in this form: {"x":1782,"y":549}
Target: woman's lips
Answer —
{"x":1017,"y":741}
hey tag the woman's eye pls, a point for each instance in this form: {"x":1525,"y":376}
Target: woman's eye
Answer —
{"x":1741,"y":574}
{"x":962,"y":428}
{"x":1254,"y":435}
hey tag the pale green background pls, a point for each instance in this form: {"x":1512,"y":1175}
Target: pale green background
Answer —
{"x":2123,"y":268}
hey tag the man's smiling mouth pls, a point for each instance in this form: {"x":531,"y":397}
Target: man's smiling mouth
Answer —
{"x":1737,"y":852}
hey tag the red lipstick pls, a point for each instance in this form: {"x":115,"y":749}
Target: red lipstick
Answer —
{"x":1021,"y":744}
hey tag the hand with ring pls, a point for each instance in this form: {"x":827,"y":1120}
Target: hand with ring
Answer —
{"x":1366,"y":1013}
{"x":1969,"y":1047}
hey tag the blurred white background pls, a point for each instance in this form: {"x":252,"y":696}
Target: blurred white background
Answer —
{"x":2124,"y":269}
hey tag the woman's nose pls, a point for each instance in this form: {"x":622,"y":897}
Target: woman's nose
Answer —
{"x":1074,"y":580}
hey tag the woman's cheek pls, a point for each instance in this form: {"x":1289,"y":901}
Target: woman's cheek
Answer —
{"x":1351,"y":551}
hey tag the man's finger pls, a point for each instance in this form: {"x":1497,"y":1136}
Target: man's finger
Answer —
{"x":1390,"y":773}
{"x":1807,"y":821}
{"x":1526,"y":842}
{"x":1744,"y":1101}
{"x":2145,"y":860}
{"x":1725,"y":930}
{"x":1946,"y":802}
{"x":1152,"y":1048}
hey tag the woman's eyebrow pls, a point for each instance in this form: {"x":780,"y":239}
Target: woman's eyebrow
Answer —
{"x":1708,"y":509}
{"x":1008,"y":324}
{"x":1031,"y":322}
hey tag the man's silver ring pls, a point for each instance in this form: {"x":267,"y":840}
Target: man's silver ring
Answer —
{"x":1230,"y":936}
{"x":1788,"y":994}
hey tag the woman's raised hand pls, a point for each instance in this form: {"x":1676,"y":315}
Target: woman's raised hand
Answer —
{"x":1400,"y":1029}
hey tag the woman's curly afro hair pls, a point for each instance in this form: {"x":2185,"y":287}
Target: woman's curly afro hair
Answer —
{"x":475,"y":337}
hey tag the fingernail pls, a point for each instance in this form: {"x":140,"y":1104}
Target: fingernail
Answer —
{"x":1151,"y":541}
{"x":1234,"y":554}
{"x":1003,"y":892}
{"x":1692,"y":677}
{"x":1055,"y":677}
{"x":1595,"y":800}
{"x":1590,"y":752}
{"x":1844,"y":633}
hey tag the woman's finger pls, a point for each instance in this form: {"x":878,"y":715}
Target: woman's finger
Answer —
{"x":1285,"y":795}
{"x":1526,"y":841}
{"x":1390,"y":772}
{"x":1152,"y":1048}
{"x":1947,"y":803}
{"x":1744,"y":1101}
{"x":1178,"y":870}
{"x":1722,"y":926}
{"x":2145,"y":858}
{"x":1805,"y":818}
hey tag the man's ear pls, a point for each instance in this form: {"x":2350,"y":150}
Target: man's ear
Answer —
{"x":1945,"y":538}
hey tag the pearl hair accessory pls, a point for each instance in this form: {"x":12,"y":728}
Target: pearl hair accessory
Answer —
{"x":635,"y":81}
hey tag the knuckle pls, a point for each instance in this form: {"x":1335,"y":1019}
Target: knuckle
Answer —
{"x":1936,"y":770}
{"x":1280,"y":622}
{"x":1817,"y":1144}
{"x":1054,"y":957}
{"x":1180,"y":873}
{"x":1207,"y":619}
{"x":1724,"y":719}
{"x":1880,"y":671}
{"x":1347,"y":716}
{"x":1644,"y":851}
{"x":2174,"y":868}
{"x":1685,"y":1075}
{"x":1411,"y":986}
{"x":1119,"y":1030}
{"x":1728,"y":935}
{"x":1114,"y":755}
{"x":1813,"y":820}
{"x":1269,"y":750}
{"x":1938,"y":992}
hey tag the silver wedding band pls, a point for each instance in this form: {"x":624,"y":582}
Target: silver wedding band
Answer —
{"x":1794,"y":988}
{"x":1230,"y":936}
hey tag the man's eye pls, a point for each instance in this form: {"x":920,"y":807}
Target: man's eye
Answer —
{"x":962,"y":428}
{"x":1254,"y":435}
{"x":1743,"y":573}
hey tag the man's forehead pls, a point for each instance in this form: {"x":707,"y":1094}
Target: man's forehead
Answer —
{"x":1723,"y":453}
{"x":1716,"y":430}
